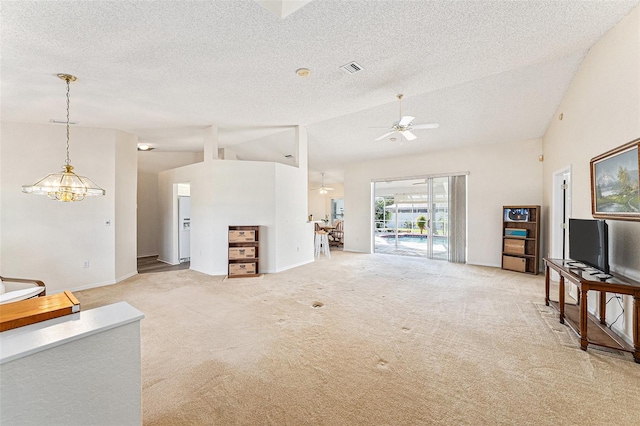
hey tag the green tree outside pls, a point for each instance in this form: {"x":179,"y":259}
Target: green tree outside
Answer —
{"x":421,"y":222}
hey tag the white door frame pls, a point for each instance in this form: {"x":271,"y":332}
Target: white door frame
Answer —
{"x":560,"y":216}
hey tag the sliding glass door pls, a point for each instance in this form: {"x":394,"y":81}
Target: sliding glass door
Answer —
{"x":413,"y":217}
{"x":439,"y":218}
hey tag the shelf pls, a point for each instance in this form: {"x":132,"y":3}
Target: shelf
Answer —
{"x":243,"y":237}
{"x":524,"y":255}
{"x":597,"y":334}
{"x":528,"y":256}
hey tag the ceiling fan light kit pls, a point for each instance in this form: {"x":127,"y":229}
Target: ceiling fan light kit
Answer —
{"x":404,"y":125}
{"x":66,"y":186}
{"x":323,"y":189}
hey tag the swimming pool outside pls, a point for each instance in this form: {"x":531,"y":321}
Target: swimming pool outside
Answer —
{"x":411,"y":245}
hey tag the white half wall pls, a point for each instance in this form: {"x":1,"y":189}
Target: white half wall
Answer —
{"x":50,"y":240}
{"x":80,"y":369}
{"x":223,"y":193}
{"x":499,"y":174}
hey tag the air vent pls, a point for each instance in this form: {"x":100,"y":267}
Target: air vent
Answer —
{"x":352,"y":68}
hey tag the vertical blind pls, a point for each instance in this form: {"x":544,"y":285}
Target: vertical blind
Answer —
{"x":457,"y":219}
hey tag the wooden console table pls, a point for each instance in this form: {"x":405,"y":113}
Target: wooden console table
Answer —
{"x":593,"y":330}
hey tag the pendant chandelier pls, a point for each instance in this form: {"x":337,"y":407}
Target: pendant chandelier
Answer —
{"x":66,"y":186}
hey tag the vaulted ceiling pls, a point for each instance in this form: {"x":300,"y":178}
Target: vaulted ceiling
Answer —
{"x":486,"y":71}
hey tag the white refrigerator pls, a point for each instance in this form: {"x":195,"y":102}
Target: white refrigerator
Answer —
{"x":184,"y":229}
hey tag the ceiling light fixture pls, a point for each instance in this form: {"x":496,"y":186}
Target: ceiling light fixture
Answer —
{"x":303,"y":72}
{"x":144,"y":147}
{"x":65,"y":186}
{"x":324,"y":189}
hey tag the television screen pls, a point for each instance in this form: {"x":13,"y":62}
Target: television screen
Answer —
{"x":589,"y":243}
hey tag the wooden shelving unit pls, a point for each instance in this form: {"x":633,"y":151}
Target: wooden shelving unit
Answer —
{"x":244,"y":255}
{"x":521,"y":238}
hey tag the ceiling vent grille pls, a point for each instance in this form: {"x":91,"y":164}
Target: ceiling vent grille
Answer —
{"x":352,"y":67}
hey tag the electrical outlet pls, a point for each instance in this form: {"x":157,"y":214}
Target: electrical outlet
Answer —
{"x":85,"y":264}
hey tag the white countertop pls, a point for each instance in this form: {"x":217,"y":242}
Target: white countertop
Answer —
{"x":23,"y":341}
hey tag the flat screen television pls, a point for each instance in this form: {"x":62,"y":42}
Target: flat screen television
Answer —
{"x":589,"y":243}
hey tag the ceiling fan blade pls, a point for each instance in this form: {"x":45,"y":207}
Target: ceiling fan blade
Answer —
{"x":385,"y":135}
{"x":328,"y":189}
{"x":425,"y":126}
{"x":405,"y":121}
{"x":408,"y":135}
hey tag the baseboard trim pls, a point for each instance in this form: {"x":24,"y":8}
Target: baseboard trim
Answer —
{"x":95,"y":285}
{"x":291,"y":266}
{"x":147,"y":255}
{"x":124,"y":277}
{"x":87,"y":286}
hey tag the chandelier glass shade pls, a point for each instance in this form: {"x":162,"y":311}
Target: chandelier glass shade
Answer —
{"x":65,"y":186}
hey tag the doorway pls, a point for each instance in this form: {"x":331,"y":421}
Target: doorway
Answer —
{"x":337,"y":209}
{"x":560,"y":214}
{"x":413,"y":217}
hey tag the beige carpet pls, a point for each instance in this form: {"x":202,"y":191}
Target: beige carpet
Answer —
{"x":367,"y":340}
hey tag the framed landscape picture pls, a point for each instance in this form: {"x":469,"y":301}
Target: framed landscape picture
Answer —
{"x":614,"y":183}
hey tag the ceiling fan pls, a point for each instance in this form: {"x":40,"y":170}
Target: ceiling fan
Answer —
{"x":405,"y":124}
{"x":323,"y":189}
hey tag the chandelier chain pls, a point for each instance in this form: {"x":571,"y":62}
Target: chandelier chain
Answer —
{"x":68,"y":161}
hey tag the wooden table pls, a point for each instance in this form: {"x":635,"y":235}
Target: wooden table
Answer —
{"x":593,"y":330}
{"x":25,"y":312}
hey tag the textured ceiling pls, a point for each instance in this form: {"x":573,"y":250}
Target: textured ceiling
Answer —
{"x":487,"y":72}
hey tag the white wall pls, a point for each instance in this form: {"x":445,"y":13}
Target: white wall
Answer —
{"x":80,"y":369}
{"x":50,"y":240}
{"x":601,"y":110}
{"x":499,"y":174}
{"x":294,"y":245}
{"x":150,"y":163}
{"x":223,"y":193}
{"x":126,"y":189}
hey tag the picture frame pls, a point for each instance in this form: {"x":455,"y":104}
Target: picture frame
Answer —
{"x":615,"y":177}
